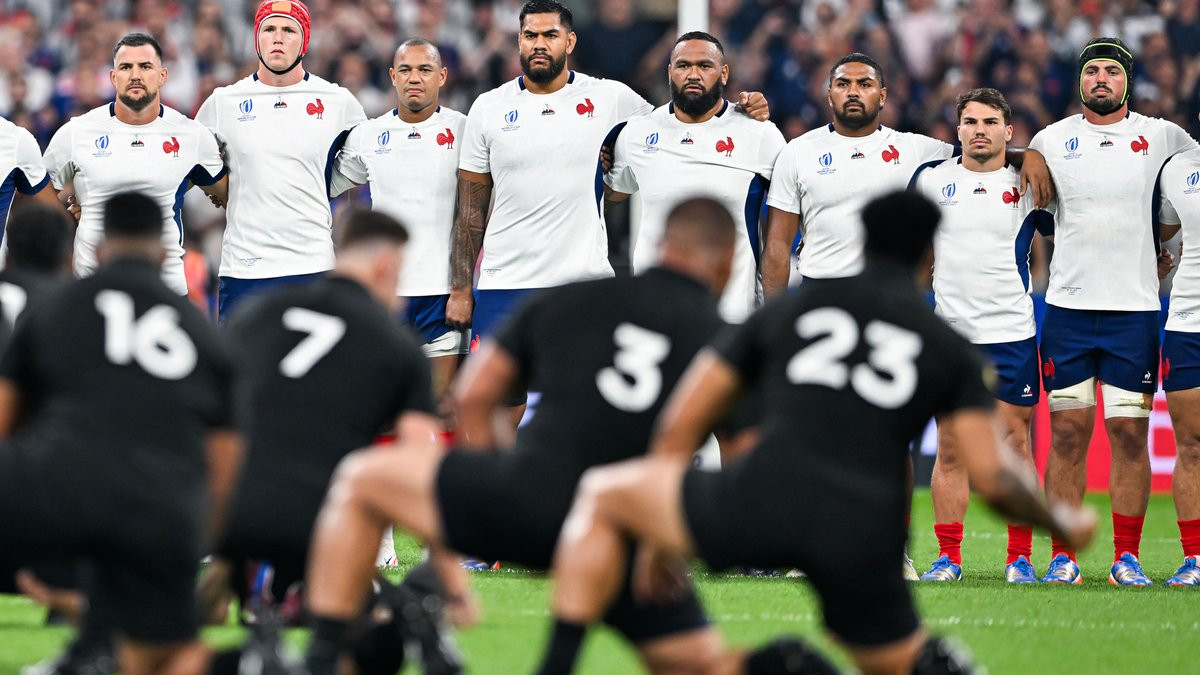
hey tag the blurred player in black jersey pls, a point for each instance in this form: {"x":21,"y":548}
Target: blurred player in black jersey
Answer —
{"x":116,"y":405}
{"x":604,"y":354}
{"x":39,"y":239}
{"x":851,"y":371}
{"x":324,"y":370}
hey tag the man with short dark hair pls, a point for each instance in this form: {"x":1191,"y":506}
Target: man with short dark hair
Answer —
{"x":135,"y":141}
{"x":122,"y":382}
{"x":851,"y":370}
{"x":982,"y":290}
{"x":698,"y":145}
{"x":604,"y":354}
{"x":38,"y":255}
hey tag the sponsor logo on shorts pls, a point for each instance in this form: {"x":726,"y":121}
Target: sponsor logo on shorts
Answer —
{"x":1166,"y":368}
{"x":1027,"y":392}
{"x":1146,"y":378}
{"x":1048,"y":368}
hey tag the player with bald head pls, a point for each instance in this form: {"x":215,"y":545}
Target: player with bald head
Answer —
{"x":604,"y":354}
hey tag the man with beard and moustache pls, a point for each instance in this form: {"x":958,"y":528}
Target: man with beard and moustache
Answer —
{"x":279,"y":129}
{"x":135,"y":142}
{"x":823,"y":178}
{"x":1101,"y":319}
{"x":535,"y":142}
{"x":697,"y":144}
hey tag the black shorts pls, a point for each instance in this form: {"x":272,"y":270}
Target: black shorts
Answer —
{"x":501,"y":507}
{"x":141,"y":554}
{"x":271,"y":521}
{"x":750,"y":515}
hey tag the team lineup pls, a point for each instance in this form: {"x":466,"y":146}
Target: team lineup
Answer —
{"x":465,"y":343}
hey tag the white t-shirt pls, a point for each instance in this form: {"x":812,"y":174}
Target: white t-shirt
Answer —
{"x":1104,"y":248}
{"x":981,"y":250}
{"x":542,"y":151}
{"x":279,"y":142}
{"x":413,"y":172}
{"x":827,"y":178}
{"x":102,"y":156}
{"x":1180,"y":205}
{"x":21,"y":169}
{"x":729,"y":158}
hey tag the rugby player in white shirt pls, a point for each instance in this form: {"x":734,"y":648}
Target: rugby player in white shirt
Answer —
{"x":698,"y":145}
{"x":409,"y":156}
{"x":981,"y":285}
{"x":823,"y":178}
{"x":21,"y":171}
{"x":134,"y":143}
{"x":1101,"y":319}
{"x":1179,"y":186}
{"x":279,"y":129}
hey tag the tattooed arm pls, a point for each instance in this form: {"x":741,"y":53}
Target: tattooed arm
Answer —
{"x":470,"y":221}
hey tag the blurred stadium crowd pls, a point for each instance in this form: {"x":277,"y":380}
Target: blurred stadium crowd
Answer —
{"x":55,"y":55}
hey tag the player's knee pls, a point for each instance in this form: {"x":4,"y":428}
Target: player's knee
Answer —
{"x":1075,"y":397}
{"x":596,"y":489}
{"x":1122,"y":404}
{"x":353,"y":477}
{"x":939,"y":656}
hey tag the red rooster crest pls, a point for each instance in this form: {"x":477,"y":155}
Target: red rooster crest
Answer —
{"x":1166,"y":368}
{"x":1048,"y":368}
{"x":171,"y":147}
{"x":446,"y":139}
{"x":891,"y":155}
{"x":317,"y":109}
{"x":1140,"y":145}
{"x":725,"y":146}
{"x":1011,"y":197}
{"x":586,"y":108}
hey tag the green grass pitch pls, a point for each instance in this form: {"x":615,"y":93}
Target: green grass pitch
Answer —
{"x":1089,"y":629}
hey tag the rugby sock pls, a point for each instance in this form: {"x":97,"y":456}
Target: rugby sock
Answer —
{"x":1020,"y":543}
{"x":325,"y":646}
{"x":1127,"y":534}
{"x":949,"y":536}
{"x":564,"y":648}
{"x":1189,"y":536}
{"x":1058,"y":546}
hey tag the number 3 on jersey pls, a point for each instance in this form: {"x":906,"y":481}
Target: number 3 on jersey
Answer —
{"x":634,"y":381}
{"x":894,"y":351}
{"x":155,"y":341}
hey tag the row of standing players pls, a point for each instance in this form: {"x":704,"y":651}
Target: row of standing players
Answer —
{"x":697,"y":78}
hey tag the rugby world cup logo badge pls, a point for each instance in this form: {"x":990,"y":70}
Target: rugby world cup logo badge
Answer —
{"x":101,"y":144}
{"x":1193,"y":183}
{"x":1072,"y":145}
{"x":510,"y":119}
{"x":651,"y":142}
{"x":246,"y":108}
{"x":948,"y":192}
{"x":826,"y":162}
{"x":382,"y":141}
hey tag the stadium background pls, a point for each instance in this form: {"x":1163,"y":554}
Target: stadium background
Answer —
{"x":55,"y":56}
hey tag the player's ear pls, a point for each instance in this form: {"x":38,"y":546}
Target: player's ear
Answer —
{"x":571,"y":42}
{"x":882,"y":96}
{"x":442,"y":77}
{"x":112,"y":77}
{"x":724,"y":74}
{"x":1008,"y":133}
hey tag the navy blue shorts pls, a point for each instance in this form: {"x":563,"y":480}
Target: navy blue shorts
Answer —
{"x":1016,"y":369}
{"x":1180,"y":361}
{"x":426,"y":314}
{"x":233,"y":292}
{"x":492,"y":307}
{"x":1119,"y":348}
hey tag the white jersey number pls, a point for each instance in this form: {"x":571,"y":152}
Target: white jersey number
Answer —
{"x":13,"y":299}
{"x":155,"y":341}
{"x":889,"y":377}
{"x":324,"y":332}
{"x":634,"y":381}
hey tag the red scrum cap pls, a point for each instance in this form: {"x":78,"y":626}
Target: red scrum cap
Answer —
{"x":292,"y":9}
